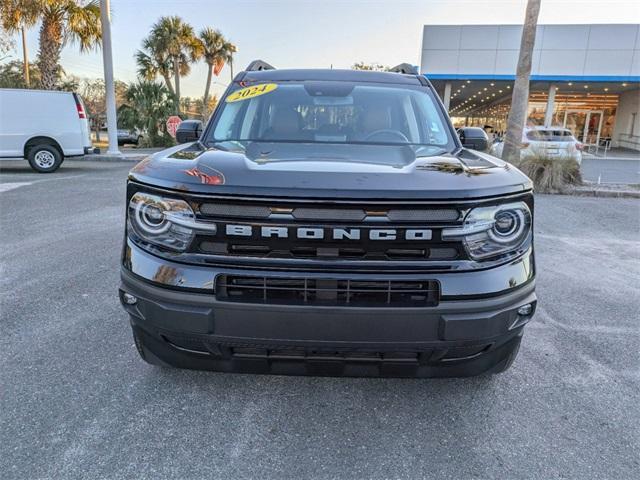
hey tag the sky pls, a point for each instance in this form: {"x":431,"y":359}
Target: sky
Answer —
{"x":316,"y":33}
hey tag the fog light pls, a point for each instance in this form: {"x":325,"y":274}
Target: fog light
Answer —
{"x":131,"y":300}
{"x":525,"y":310}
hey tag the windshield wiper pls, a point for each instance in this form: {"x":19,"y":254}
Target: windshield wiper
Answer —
{"x":221,"y":146}
{"x":440,"y":151}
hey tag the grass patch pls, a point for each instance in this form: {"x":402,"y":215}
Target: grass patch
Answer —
{"x":551,"y":174}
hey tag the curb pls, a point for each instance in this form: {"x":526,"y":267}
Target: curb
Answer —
{"x":603,"y":193}
{"x":96,"y":157}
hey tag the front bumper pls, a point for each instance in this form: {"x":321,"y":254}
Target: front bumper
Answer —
{"x":184,"y":320}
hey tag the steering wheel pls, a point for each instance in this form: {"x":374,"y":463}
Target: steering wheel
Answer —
{"x":389,"y":133}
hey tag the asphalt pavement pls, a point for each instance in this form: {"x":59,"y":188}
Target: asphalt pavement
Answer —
{"x":77,"y":402}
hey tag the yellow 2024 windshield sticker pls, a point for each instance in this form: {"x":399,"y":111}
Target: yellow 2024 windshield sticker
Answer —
{"x":250,"y":92}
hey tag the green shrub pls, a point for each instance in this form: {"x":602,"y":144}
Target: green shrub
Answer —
{"x":551,"y":174}
{"x":164,"y":141}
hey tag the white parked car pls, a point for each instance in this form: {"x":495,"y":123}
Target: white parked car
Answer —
{"x":43,"y":126}
{"x":548,"y":141}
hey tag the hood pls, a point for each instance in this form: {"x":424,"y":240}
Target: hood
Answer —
{"x":331,"y":172}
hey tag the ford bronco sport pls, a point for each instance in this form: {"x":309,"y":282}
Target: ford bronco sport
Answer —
{"x":328,"y":222}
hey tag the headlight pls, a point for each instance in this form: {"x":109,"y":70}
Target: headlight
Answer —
{"x":167,"y":222}
{"x":490,"y":231}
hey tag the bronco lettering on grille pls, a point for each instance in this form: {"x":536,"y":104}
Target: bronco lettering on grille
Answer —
{"x":320,"y":233}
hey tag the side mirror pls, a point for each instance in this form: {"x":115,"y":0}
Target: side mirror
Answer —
{"x":189,"y":131}
{"x":474,"y":139}
{"x":479,"y":143}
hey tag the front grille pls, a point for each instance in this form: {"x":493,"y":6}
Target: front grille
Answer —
{"x":327,"y":291}
{"x":269,"y":250}
{"x":354,"y":231}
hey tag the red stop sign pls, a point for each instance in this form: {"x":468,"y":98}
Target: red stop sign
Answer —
{"x":172,"y":125}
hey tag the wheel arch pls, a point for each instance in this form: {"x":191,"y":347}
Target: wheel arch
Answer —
{"x":41,"y":140}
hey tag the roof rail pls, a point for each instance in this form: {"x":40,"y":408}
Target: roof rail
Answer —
{"x":258,"y":65}
{"x":405,"y":68}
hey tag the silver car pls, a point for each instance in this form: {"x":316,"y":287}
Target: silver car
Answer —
{"x":554,"y":142}
{"x":129,"y":136}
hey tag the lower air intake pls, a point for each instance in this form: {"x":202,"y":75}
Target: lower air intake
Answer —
{"x":327,"y":292}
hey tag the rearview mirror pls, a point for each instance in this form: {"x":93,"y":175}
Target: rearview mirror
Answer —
{"x":189,"y":131}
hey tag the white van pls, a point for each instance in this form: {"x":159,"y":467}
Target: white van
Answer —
{"x":43,"y":126}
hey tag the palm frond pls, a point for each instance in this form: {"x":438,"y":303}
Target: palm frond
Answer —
{"x":83,"y":23}
{"x":147,"y":68}
{"x":15,"y":14}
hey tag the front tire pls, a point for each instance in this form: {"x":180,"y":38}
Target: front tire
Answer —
{"x":44,"y":158}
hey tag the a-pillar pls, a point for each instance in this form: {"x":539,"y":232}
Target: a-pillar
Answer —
{"x":446,"y":98}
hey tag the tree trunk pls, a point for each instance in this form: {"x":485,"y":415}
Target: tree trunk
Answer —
{"x":167,"y":81}
{"x":205,"y":106}
{"x":152,"y":130}
{"x":520,"y":98}
{"x":25,"y":58}
{"x":176,"y":80}
{"x":231,"y":68}
{"x":49,"y":54}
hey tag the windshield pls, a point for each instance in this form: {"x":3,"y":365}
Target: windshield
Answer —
{"x":330,"y":112}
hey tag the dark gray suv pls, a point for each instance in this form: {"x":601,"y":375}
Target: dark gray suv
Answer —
{"x":329,"y":222}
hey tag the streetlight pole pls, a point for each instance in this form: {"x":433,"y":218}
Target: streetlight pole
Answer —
{"x":110,"y":92}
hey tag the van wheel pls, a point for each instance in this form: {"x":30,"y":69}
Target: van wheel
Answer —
{"x":44,"y":158}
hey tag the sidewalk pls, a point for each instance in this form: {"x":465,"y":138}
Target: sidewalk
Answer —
{"x":609,"y":190}
{"x":127,"y":155}
{"x":615,"y":153}
{"x":621,"y":167}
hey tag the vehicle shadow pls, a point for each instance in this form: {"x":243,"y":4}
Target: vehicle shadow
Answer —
{"x":347,"y":422}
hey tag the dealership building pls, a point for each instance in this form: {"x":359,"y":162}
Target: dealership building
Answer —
{"x":584,"y":77}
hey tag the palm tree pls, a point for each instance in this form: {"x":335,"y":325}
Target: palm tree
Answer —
{"x":62,"y":22}
{"x":215,"y":51}
{"x":520,"y":97}
{"x":153,"y":62}
{"x":176,"y":39}
{"x":146,"y":105}
{"x":17,"y":16}
{"x":229,"y":49}
{"x":6,"y":43}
